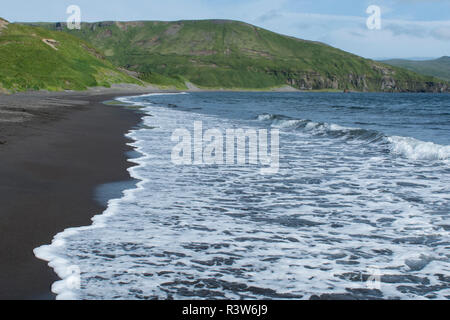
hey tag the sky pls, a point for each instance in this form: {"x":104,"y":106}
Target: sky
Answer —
{"x":408,"y":28}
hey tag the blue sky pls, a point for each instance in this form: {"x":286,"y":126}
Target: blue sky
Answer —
{"x":409,"y":28}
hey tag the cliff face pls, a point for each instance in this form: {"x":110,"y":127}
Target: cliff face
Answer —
{"x":385,"y":83}
{"x":232,"y":54}
{"x":384,"y":80}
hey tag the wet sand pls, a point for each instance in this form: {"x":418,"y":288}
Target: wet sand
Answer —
{"x":55,"y":149}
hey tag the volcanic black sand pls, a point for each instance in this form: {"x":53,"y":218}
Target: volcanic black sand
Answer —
{"x":55,"y":149}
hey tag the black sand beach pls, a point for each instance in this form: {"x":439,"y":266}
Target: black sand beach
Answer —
{"x":50,"y":165}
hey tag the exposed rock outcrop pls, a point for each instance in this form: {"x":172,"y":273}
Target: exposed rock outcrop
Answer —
{"x":3,"y":24}
{"x":52,"y":43}
{"x":364,"y":83}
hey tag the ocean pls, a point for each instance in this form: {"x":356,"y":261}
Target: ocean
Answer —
{"x":358,"y":207}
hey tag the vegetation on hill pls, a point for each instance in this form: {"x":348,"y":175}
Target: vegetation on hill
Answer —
{"x":33,"y":58}
{"x":439,"y":68}
{"x":231,"y":54}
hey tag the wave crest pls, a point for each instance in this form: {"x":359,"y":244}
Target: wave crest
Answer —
{"x":407,"y":147}
{"x":321,"y":128}
{"x":418,"y":150}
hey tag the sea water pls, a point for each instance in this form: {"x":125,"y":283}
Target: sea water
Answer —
{"x":359,"y":207}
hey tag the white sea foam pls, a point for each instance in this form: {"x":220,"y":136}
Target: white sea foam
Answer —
{"x":265,"y":117}
{"x":131,"y":100}
{"x":64,"y":288}
{"x":418,"y":150}
{"x":333,"y":213}
{"x":292,"y":123}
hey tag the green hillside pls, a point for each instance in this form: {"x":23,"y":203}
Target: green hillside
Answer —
{"x":34,"y":58}
{"x":231,"y":54}
{"x":439,"y":68}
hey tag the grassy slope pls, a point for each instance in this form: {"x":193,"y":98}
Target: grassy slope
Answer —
{"x":439,"y":68}
{"x":230,"y":54}
{"x":27,"y":63}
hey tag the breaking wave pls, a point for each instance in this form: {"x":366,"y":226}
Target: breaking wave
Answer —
{"x":418,"y":150}
{"x":407,"y":147}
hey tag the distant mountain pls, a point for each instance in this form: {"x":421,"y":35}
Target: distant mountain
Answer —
{"x":33,"y":58}
{"x":227,"y":54}
{"x":439,"y":68}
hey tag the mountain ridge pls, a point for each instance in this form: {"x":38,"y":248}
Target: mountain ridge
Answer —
{"x":439,"y":68}
{"x":228,"y":54}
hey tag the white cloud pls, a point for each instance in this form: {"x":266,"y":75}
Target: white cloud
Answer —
{"x":397,"y":38}
{"x":442,"y":33}
{"x":403,"y":36}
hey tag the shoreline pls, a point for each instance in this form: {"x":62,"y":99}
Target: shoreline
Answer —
{"x":60,"y":148}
